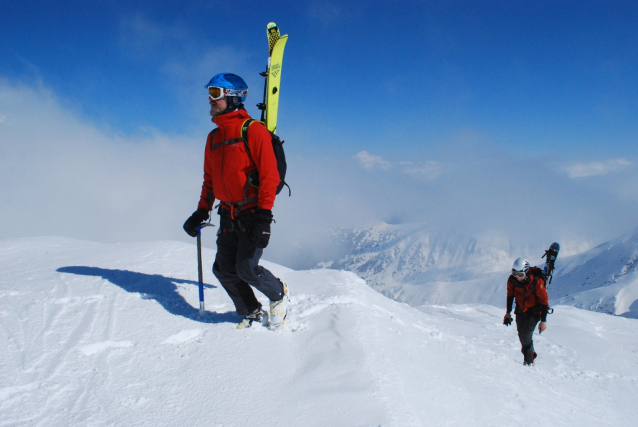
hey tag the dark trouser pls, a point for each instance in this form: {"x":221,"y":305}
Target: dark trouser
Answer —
{"x":237,"y":265}
{"x":525,"y":324}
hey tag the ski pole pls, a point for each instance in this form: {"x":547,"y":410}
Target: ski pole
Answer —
{"x":200,"y":275}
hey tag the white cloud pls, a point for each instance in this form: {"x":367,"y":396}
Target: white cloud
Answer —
{"x":370,"y":161}
{"x":581,"y":170}
{"x":63,"y":176}
{"x":428,"y":170}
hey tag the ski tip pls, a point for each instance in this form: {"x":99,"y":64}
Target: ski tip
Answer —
{"x":271,"y":25}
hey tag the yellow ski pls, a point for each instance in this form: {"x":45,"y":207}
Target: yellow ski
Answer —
{"x":273,"y":35}
{"x":274,"y":80}
{"x":270,"y":106}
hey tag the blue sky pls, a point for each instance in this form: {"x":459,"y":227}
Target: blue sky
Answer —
{"x":527,"y":76}
{"x":481,"y":115}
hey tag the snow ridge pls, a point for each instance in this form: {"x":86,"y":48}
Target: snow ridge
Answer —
{"x":96,"y":334}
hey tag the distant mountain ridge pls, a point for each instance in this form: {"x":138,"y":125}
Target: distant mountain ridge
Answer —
{"x":418,"y":265}
{"x":416,"y":251}
{"x":603,"y":279}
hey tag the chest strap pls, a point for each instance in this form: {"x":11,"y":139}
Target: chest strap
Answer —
{"x":219,"y":144}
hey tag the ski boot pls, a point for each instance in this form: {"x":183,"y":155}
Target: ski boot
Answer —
{"x":248,"y":320}
{"x":532,"y":362}
{"x":279,"y":310}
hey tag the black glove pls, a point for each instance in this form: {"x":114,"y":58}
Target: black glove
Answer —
{"x":544,"y":311}
{"x":260,"y":233}
{"x":507,"y":320}
{"x":196,"y":219}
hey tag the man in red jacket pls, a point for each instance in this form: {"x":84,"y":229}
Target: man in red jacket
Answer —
{"x":244,"y":178}
{"x":527,"y":285}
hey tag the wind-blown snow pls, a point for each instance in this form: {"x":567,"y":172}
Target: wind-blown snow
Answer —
{"x":106,"y":334}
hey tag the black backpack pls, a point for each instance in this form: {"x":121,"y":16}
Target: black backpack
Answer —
{"x":278,"y":148}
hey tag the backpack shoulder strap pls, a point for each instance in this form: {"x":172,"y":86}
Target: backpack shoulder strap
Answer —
{"x":244,"y":134}
{"x":211,"y":135}
{"x":244,"y":129}
{"x":538,"y":273}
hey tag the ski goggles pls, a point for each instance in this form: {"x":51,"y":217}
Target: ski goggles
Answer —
{"x":216,"y":93}
{"x":518,"y":273}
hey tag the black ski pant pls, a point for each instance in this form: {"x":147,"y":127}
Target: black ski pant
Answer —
{"x":237,"y":265}
{"x":525,"y":325}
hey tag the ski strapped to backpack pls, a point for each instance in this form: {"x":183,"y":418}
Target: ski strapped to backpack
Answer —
{"x":551,"y":254}
{"x":269,"y":109}
{"x":269,"y":114}
{"x":270,"y":105}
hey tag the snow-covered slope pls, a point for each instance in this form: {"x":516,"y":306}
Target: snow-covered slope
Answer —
{"x":604,"y":278}
{"x":106,"y":335}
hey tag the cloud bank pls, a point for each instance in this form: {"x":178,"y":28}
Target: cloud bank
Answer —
{"x":581,"y":170}
{"x":62,"y":175}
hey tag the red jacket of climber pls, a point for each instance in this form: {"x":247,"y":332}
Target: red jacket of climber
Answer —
{"x":227,"y":164}
{"x":530,"y":294}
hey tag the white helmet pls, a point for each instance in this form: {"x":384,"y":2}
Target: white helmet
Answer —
{"x":520,"y":266}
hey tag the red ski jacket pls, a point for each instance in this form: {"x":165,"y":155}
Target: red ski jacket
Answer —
{"x":227,"y":163}
{"x":531,"y":294}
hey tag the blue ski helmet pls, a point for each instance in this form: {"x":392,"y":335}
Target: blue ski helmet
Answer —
{"x":234,"y":85}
